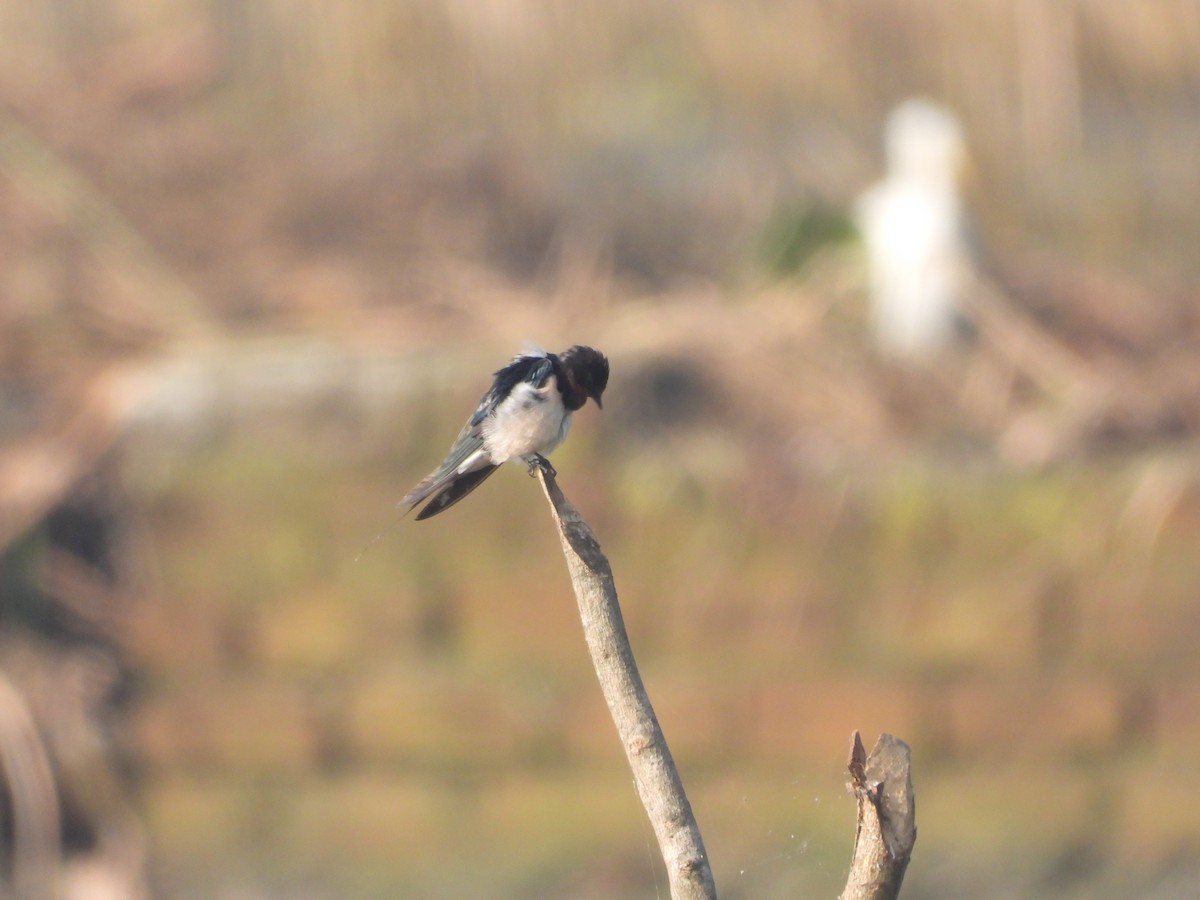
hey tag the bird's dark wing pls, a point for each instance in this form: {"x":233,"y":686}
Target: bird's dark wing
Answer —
{"x":458,"y":488}
{"x":531,"y":369}
{"x":469,"y":440}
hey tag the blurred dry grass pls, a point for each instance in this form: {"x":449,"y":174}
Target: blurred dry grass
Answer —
{"x":457,"y":171}
{"x":1080,"y":113}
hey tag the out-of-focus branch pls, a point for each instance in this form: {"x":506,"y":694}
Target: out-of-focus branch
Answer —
{"x":38,"y":471}
{"x":887,"y":828}
{"x":654,"y":771}
{"x":28,"y":779}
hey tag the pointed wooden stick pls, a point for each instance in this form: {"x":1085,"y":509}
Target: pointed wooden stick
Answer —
{"x":654,"y":771}
{"x":887,"y":827}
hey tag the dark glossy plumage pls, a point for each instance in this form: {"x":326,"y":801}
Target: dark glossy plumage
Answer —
{"x":584,"y":371}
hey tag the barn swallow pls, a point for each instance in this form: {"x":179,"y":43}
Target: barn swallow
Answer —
{"x":523,"y":416}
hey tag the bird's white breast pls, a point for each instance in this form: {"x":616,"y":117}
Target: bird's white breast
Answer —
{"x":529,"y":420}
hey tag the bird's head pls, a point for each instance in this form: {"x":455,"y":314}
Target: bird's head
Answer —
{"x":586,"y":371}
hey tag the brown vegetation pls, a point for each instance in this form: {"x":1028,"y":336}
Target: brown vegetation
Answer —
{"x":312,"y":227}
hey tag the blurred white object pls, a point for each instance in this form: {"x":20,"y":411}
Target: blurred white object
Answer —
{"x":913,"y":229}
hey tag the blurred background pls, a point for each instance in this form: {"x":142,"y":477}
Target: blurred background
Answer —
{"x":895,"y":440}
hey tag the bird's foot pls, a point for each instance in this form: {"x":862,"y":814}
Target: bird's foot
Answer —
{"x":540,"y":462}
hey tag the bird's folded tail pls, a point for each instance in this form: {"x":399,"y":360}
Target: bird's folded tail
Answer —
{"x":445,"y":497}
{"x":426,"y":486}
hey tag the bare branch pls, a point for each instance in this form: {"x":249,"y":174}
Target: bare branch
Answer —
{"x":654,"y":771}
{"x":887,"y":827}
{"x":28,"y":777}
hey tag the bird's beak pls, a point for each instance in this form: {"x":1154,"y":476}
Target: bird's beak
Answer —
{"x":598,"y":403}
